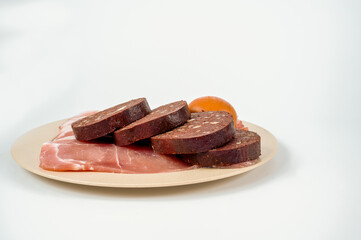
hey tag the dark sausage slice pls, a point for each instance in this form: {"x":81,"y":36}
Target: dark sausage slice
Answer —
{"x":244,"y":147}
{"x":160,"y":120}
{"x":108,"y":120}
{"x":204,"y":131}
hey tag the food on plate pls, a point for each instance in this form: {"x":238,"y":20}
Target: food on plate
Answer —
{"x":65,"y":153}
{"x":202,"y":132}
{"x":240,"y":125}
{"x":130,"y":138}
{"x":160,"y":120}
{"x":243,"y":147}
{"x":107,"y":121}
{"x":211,"y":103}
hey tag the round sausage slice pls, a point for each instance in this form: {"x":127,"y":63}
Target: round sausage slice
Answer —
{"x":108,"y":120}
{"x":244,"y":147}
{"x":160,"y":120}
{"x":202,"y":132}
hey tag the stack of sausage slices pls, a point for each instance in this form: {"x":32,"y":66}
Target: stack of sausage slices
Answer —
{"x":206,"y":139}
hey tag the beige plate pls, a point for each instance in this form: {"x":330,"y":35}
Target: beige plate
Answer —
{"x":26,"y":150}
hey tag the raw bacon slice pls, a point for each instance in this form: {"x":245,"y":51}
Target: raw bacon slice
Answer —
{"x":239,"y":125}
{"x":65,"y":153}
{"x":67,"y":156}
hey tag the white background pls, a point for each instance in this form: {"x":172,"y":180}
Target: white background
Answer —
{"x":292,"y":67}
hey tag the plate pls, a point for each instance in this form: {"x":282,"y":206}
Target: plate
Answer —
{"x":26,"y":150}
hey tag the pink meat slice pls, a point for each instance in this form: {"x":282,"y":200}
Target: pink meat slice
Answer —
{"x":65,"y":153}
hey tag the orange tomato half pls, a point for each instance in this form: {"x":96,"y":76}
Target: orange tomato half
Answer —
{"x":211,"y":103}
